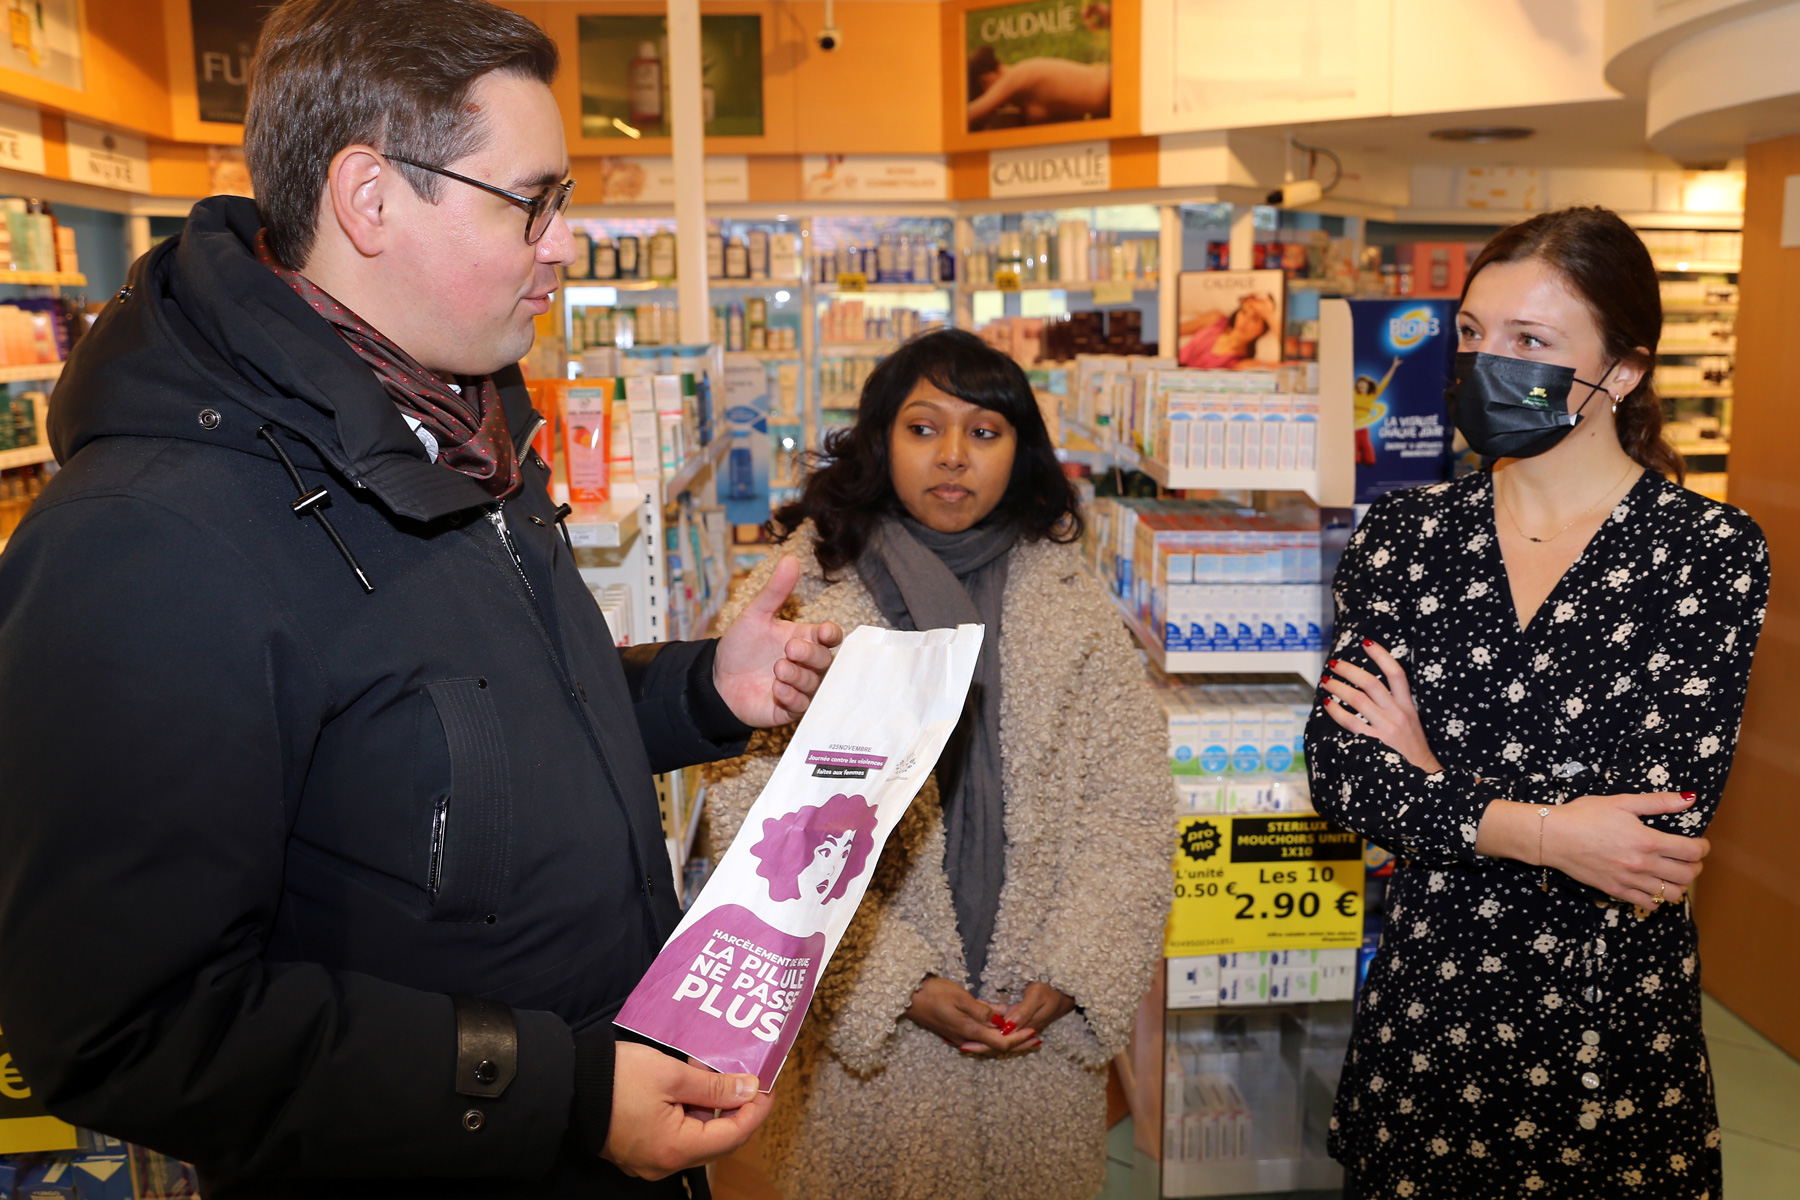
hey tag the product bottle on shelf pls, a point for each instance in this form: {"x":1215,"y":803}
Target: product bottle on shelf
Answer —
{"x":737,"y":259}
{"x":583,"y":266}
{"x":628,"y":257}
{"x":645,"y":83}
{"x":606,"y":259}
{"x":715,"y":256}
{"x":662,"y":254}
{"x":759,"y":254}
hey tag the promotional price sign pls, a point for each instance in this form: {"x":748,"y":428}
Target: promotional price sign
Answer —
{"x":24,"y":1125}
{"x":1292,"y":881}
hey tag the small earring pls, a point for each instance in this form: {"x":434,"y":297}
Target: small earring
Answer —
{"x":1615,"y":406}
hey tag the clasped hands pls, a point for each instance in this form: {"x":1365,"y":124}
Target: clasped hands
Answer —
{"x":1601,"y":841}
{"x":978,"y":1027}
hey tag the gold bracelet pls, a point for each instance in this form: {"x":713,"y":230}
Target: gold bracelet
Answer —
{"x":1544,"y":883}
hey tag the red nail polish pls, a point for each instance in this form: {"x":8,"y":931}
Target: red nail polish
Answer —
{"x":997,"y":1021}
{"x":1687,"y":795}
{"x":1332,"y":665}
{"x":1330,"y":699}
{"x":1008,"y":1028}
{"x":1367,"y":643}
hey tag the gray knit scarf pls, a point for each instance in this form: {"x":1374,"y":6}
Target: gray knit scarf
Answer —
{"x":922,"y":579}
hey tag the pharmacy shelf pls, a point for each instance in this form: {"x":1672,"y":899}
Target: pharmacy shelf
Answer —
{"x":1669,"y":307}
{"x":1061,"y":285}
{"x":30,"y":372}
{"x":832,"y":289}
{"x":1325,"y":287}
{"x":690,"y":470}
{"x":45,"y":278}
{"x":1696,"y":266}
{"x":1707,"y":351}
{"x":1305,"y":663}
{"x":1679,"y":392}
{"x":606,"y":525}
{"x":25,"y":456}
{"x":1703,"y":449}
{"x":1250,"y":481}
{"x":856,"y":349}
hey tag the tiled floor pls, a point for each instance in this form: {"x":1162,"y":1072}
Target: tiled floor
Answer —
{"x":1759,"y":1108}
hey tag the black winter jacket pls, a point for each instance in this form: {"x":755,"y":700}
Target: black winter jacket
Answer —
{"x":257,"y":827}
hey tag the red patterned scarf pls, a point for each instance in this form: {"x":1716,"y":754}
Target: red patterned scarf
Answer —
{"x":470,"y":426}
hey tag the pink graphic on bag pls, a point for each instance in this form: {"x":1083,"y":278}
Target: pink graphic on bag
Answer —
{"x":816,"y":853}
{"x":728,"y":991}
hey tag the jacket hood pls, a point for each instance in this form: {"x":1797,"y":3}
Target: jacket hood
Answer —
{"x":206,"y":344}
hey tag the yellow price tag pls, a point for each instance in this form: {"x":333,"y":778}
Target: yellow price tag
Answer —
{"x":1290,"y":881}
{"x":1112,"y":293}
{"x":853,"y":281}
{"x":1006,"y":281}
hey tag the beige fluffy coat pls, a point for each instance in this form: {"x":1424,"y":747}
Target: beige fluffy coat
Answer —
{"x":870,"y":1104}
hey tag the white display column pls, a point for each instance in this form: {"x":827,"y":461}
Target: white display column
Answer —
{"x":688,"y":147}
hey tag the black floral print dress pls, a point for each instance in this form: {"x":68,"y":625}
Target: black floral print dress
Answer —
{"x":1511,"y":1042}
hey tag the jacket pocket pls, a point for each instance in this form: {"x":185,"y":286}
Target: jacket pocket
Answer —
{"x":470,"y":865}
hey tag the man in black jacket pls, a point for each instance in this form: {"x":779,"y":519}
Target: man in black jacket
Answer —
{"x":328,"y":842}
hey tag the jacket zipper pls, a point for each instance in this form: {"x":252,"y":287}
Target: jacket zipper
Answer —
{"x":498,"y":519}
{"x":434,"y":876}
{"x":569,"y":690}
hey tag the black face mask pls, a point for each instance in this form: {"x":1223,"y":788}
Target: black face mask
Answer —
{"x":1512,"y":407}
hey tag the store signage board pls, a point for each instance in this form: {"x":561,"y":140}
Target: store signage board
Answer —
{"x":872,"y":178}
{"x":1402,"y":352}
{"x":1050,"y":170}
{"x":21,"y":138}
{"x":225,"y":33}
{"x":1288,"y":881}
{"x":24,"y":1125}
{"x":652,"y":180}
{"x":108,"y":158}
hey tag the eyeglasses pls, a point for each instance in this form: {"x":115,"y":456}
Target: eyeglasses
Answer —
{"x":540,"y":210}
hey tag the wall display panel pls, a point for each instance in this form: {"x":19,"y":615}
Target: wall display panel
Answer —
{"x":1038,"y":64}
{"x":225,"y":33}
{"x":43,"y":40}
{"x":625,"y":78}
{"x":1223,"y":64}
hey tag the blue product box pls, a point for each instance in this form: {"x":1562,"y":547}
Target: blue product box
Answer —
{"x":47,"y":1179}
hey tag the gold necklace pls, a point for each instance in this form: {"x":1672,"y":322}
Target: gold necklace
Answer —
{"x":1584,"y":512}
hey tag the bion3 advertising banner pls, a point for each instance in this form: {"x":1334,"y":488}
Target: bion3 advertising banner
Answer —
{"x":734,"y":980}
{"x":1402,"y":352}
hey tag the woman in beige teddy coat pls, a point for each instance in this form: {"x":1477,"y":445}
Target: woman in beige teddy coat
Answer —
{"x":914,"y":1077}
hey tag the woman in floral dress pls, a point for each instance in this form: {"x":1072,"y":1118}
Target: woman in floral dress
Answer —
{"x":1539,"y":676}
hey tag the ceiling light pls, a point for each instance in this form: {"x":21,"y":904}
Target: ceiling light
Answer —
{"x":1483,"y":133}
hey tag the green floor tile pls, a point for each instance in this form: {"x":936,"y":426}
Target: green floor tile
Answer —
{"x":1758,"y":1093}
{"x":1757,"y":1170}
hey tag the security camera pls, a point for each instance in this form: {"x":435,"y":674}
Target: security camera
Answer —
{"x":1298,"y":193}
{"x":830,"y":38}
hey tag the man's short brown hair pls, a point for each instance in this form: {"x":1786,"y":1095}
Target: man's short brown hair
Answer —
{"x":392,"y":74}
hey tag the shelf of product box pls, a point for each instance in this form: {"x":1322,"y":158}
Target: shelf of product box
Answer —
{"x":608,"y":524}
{"x":45,"y":278}
{"x":1670,"y":306}
{"x":856,"y":349}
{"x":1684,"y":266}
{"x":1305,"y":663}
{"x":1325,"y":287}
{"x":1712,"y":449}
{"x":1222,"y":480}
{"x":1147,"y":284}
{"x":1665,"y":350}
{"x":1684,"y":392}
{"x":690,"y":470}
{"x":29,"y":372}
{"x":878,"y":289}
{"x":25,"y":456}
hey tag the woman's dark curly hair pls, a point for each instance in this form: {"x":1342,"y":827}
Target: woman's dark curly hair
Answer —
{"x":850,"y":486}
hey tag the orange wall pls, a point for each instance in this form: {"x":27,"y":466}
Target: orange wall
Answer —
{"x":1748,"y":902}
{"x":124,"y":68}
